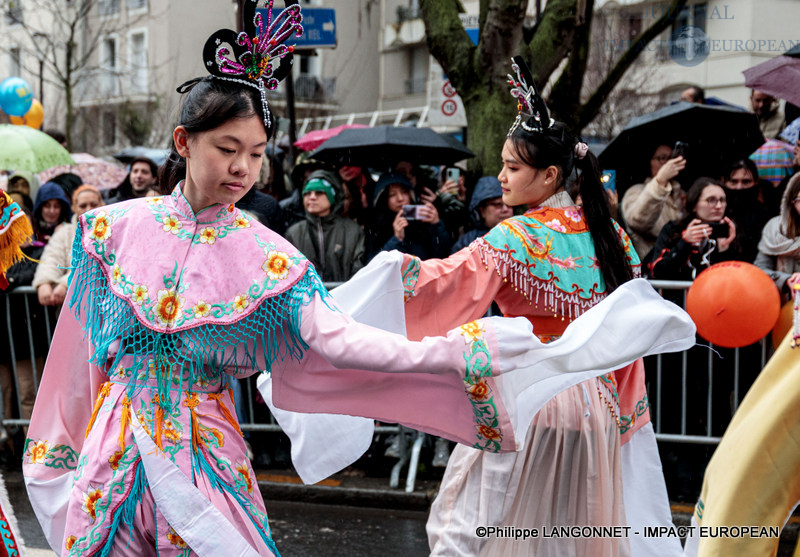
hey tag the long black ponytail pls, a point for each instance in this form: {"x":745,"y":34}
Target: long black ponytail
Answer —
{"x":556,"y":147}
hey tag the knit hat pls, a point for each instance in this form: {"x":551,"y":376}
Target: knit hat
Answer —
{"x":320,"y":184}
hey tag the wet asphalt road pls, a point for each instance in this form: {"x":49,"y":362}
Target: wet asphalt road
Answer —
{"x":299,"y":529}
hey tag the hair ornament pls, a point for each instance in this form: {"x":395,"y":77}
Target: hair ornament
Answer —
{"x":581,"y":149}
{"x":532,"y":113}
{"x":249,"y":57}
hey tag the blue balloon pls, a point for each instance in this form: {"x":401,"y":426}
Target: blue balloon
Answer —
{"x":16,"y":96}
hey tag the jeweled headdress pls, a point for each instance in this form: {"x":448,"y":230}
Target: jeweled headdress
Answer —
{"x":248,"y":57}
{"x":532,"y":113}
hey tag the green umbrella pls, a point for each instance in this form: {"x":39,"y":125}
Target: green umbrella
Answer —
{"x":24,"y":148}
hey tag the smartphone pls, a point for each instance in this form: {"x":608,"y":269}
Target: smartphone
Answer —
{"x":411,"y":212}
{"x":452,"y":174}
{"x":719,"y":229}
{"x":609,"y":180}
{"x":679,"y":150}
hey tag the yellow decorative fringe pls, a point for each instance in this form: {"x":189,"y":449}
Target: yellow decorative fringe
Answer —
{"x":101,"y":396}
{"x":158,"y":422}
{"x":191,"y":402}
{"x":123,"y":422}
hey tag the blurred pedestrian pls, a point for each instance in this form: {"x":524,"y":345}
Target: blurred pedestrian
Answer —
{"x":779,"y":248}
{"x":50,"y":279}
{"x":768,"y":110}
{"x":140,"y":178}
{"x":398,"y":223}
{"x":487,"y":209}
{"x":687,"y":247}
{"x":648,"y":207}
{"x":51,"y":209}
{"x":744,"y":207}
{"x":334,"y":244}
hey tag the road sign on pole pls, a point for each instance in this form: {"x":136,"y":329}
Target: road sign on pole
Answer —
{"x":319,"y":27}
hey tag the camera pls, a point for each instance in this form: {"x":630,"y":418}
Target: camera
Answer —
{"x":719,"y":229}
{"x":411,"y":212}
{"x":680,"y":149}
{"x":452,"y":174}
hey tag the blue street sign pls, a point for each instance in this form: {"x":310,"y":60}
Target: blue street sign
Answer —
{"x":319,"y":27}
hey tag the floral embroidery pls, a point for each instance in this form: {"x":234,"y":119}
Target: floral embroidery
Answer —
{"x":101,"y":229}
{"x":573,"y":214}
{"x":628,"y":421}
{"x":472,"y":331}
{"x":90,"y":498}
{"x":156,"y":200}
{"x":169,"y":306}
{"x":490,"y":433}
{"x":114,"y":459}
{"x":201,"y":309}
{"x":208,"y":236}
{"x":175,"y":539}
{"x":172,"y":224}
{"x":116,"y":273}
{"x":140,"y":293}
{"x":69,"y":542}
{"x":52,"y":456}
{"x":38,"y":452}
{"x":277,"y":265}
{"x":240,"y":303}
{"x":241,"y":222}
{"x":479,"y":367}
{"x":555,"y":224}
{"x":410,"y":278}
{"x":480,"y":391}
{"x":171,"y":432}
{"x":244,"y":472}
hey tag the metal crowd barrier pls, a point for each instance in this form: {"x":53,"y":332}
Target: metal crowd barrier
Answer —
{"x":25,"y":341}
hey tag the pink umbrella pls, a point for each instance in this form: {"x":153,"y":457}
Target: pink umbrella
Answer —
{"x":779,"y":77}
{"x":95,"y":172}
{"x":314,"y":139}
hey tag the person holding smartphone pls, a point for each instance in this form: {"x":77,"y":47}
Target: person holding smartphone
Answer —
{"x":703,"y":237}
{"x":400,"y":223}
{"x":647,"y":207}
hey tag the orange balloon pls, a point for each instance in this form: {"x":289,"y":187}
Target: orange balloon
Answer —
{"x":733,"y":304}
{"x":33,"y":118}
{"x":784,"y":324}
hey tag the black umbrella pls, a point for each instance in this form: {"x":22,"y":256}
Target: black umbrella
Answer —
{"x":716,"y":136}
{"x":383,"y":146}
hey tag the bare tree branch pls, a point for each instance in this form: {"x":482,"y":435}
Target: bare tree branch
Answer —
{"x":638,"y":45}
{"x":447,"y":40}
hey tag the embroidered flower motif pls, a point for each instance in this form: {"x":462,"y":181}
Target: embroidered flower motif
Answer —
{"x":201,"y":309}
{"x":555,"y":224}
{"x":69,"y":542}
{"x":244,"y":472}
{"x":90,"y":498}
{"x":472,"y":331}
{"x":277,"y":265}
{"x":114,"y":459}
{"x":241,"y":222}
{"x":116,"y":273}
{"x":168,"y":307}
{"x":172,"y":224}
{"x":489,"y":433}
{"x":140,"y":294}
{"x":208,"y":236}
{"x":574,"y":215}
{"x":155,"y":200}
{"x":38,"y":452}
{"x":170,"y":432}
{"x":240,"y":303}
{"x":175,"y":539}
{"x":101,"y":229}
{"x":480,"y":391}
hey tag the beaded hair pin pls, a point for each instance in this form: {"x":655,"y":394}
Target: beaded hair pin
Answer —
{"x":248,"y":57}
{"x":532,"y":113}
